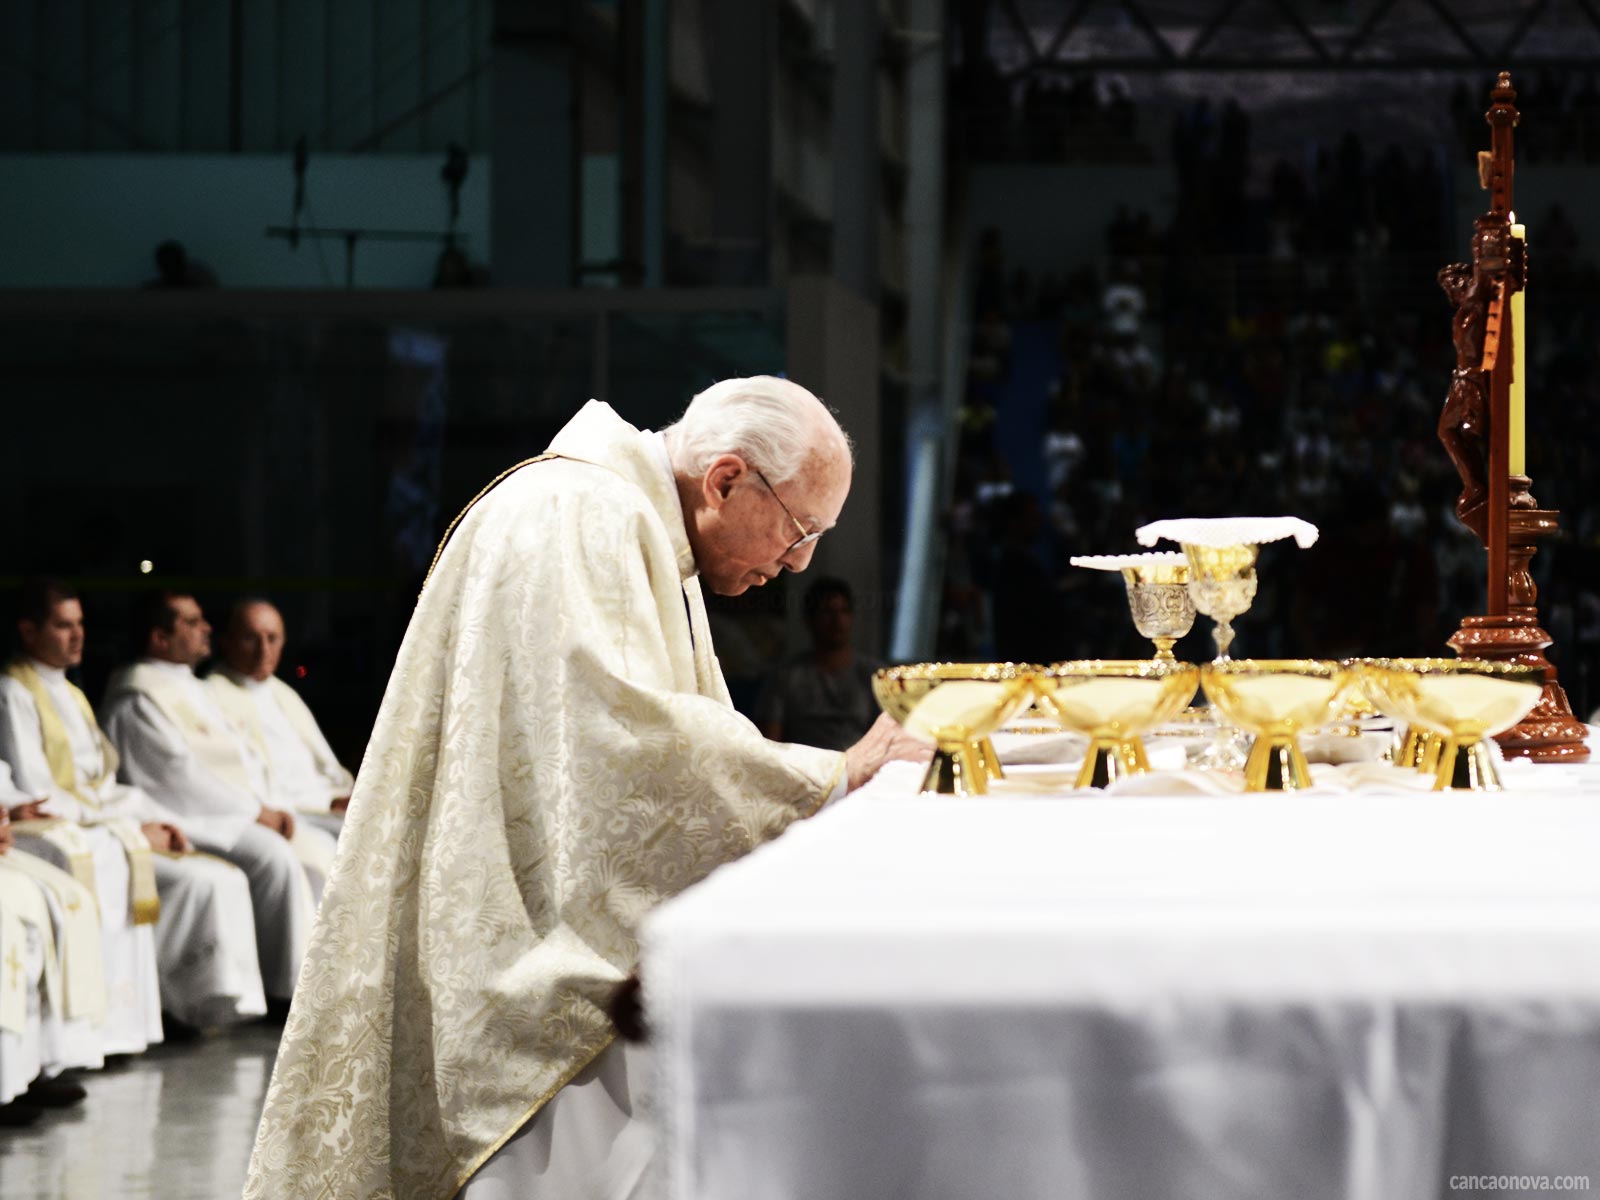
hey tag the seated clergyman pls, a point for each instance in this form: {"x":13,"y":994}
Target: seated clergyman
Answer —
{"x":176,"y":742}
{"x":303,"y":774}
{"x":205,"y":943}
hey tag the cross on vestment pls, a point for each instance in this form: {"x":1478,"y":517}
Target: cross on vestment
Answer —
{"x":15,"y":964}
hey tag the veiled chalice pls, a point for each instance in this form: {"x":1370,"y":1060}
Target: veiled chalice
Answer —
{"x":1158,"y":594}
{"x":1222,"y":584}
{"x":957,"y":706}
{"x":1275,"y":699}
{"x":1467,"y":701}
{"x":1222,"y":560}
{"x":1114,"y":701}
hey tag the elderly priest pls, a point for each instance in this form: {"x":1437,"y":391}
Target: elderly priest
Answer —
{"x":205,"y":939}
{"x":175,"y":742}
{"x":303,"y":774}
{"x":556,"y":754}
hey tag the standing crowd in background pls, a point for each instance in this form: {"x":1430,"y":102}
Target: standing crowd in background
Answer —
{"x":162,"y":856}
{"x":1295,"y":362}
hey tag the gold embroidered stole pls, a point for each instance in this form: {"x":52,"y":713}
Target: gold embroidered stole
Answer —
{"x":57,"y":743}
{"x":67,"y":839}
{"x":81,"y":990}
{"x":143,"y":900}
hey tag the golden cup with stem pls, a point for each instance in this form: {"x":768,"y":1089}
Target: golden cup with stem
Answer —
{"x":1158,"y":597}
{"x":1222,"y":584}
{"x":1465,"y":701}
{"x":1222,"y":559}
{"x":1157,"y":585}
{"x":1114,"y":701}
{"x":956,"y":706}
{"x":1276,"y":700}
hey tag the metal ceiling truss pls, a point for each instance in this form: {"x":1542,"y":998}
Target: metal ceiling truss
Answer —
{"x":1365,"y":49}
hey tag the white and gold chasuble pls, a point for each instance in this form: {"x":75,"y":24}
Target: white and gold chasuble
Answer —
{"x":555,"y":754}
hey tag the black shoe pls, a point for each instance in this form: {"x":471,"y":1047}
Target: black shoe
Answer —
{"x":60,"y":1092}
{"x":17,"y":1114}
{"x":178,"y":1033}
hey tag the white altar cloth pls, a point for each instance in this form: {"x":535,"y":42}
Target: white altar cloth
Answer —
{"x":1043,"y":993}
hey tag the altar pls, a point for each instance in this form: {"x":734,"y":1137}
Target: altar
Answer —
{"x":1185,"y":957}
{"x":1359,"y":992}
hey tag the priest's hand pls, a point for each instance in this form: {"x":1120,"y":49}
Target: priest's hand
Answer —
{"x":165,"y":837}
{"x":6,"y":838}
{"x":339,"y":804}
{"x":276,"y":819}
{"x":885,"y":742}
{"x":32,"y":810}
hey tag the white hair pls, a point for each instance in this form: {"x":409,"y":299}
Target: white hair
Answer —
{"x":771,"y":423}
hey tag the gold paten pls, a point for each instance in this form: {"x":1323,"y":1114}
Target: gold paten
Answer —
{"x":1222,"y":583}
{"x":1114,"y":701}
{"x":957,"y":706}
{"x":1275,"y":699}
{"x":1158,"y":597}
{"x":1464,"y":701}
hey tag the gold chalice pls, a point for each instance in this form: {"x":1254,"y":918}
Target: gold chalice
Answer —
{"x":1158,"y":594}
{"x":1222,"y":583}
{"x":957,"y":706}
{"x":1114,"y":701}
{"x":1158,"y":597}
{"x":1466,"y":701}
{"x":1275,"y":699}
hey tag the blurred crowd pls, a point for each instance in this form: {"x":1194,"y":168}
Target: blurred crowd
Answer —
{"x":1293,"y":365}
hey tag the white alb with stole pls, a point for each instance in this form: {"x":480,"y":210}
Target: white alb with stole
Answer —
{"x":205,"y":942}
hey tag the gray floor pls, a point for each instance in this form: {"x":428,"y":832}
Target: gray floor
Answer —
{"x":176,"y":1122}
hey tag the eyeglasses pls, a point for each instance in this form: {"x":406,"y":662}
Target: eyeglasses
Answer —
{"x":806,"y":536}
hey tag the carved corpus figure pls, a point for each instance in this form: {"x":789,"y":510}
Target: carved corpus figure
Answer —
{"x":1464,"y":422}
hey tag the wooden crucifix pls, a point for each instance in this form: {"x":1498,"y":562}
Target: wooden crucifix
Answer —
{"x":1481,"y":427}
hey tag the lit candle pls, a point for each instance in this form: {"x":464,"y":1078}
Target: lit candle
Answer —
{"x":1519,"y":372}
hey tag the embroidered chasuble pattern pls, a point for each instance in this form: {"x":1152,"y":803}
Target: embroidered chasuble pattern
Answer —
{"x":555,"y":754}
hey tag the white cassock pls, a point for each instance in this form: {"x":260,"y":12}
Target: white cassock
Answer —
{"x":303,"y":774}
{"x":58,"y":950}
{"x":205,"y":940}
{"x":556,"y":753}
{"x":176,"y":743}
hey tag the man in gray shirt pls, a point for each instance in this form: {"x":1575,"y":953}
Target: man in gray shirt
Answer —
{"x":824,"y":696}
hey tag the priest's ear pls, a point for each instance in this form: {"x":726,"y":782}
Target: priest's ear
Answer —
{"x":724,"y":473}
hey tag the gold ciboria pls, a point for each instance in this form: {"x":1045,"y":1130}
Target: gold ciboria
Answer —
{"x":956,"y":706}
